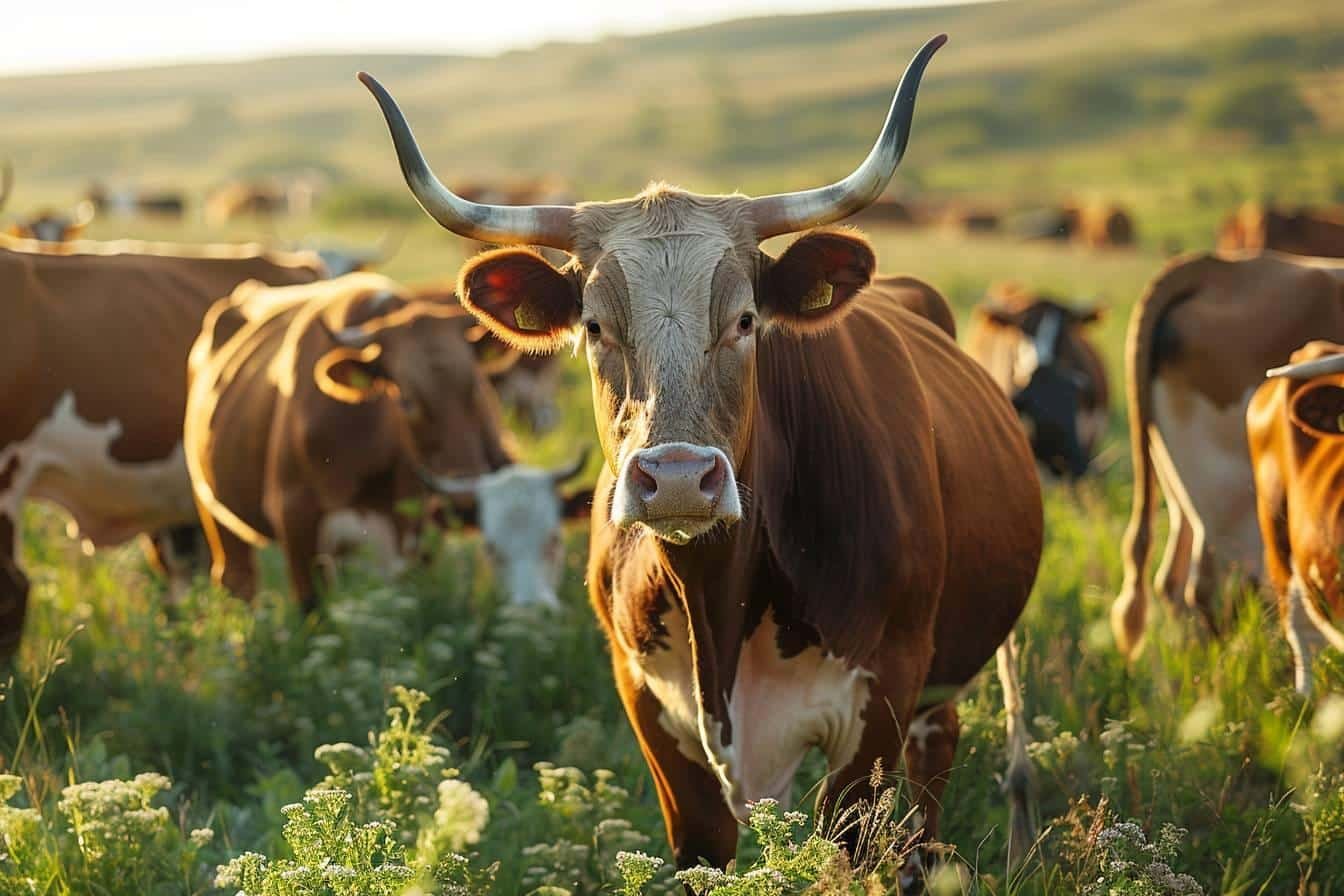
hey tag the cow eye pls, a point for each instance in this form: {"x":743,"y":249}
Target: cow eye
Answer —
{"x":594,"y":329}
{"x":745,"y":323}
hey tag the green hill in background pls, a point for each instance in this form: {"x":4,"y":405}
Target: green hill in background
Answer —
{"x":1178,"y":107}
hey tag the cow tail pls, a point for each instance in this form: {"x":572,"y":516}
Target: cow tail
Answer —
{"x":1018,"y":778}
{"x":1129,"y":612}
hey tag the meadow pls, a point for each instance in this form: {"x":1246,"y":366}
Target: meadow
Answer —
{"x":422,"y":733}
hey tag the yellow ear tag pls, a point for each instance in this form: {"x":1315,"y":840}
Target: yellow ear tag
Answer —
{"x":527,"y":318}
{"x":819,"y":297}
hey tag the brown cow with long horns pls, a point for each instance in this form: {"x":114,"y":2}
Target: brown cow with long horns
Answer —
{"x":818,"y":518}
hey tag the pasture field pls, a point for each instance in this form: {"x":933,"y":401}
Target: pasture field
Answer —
{"x":1226,"y":774}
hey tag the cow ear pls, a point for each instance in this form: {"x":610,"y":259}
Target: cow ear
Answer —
{"x":521,"y":298}
{"x":578,"y":506}
{"x":1318,"y":410}
{"x":815,"y":278}
{"x":352,"y":375}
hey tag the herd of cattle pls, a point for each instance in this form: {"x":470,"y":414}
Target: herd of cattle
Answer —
{"x":817,"y":516}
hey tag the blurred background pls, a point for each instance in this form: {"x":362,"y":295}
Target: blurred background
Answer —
{"x":1177,"y":108}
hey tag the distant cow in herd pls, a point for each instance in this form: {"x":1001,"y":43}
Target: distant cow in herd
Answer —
{"x":1036,"y":348}
{"x":1095,"y":225}
{"x":281,"y":378}
{"x":818,"y":518}
{"x":1300,"y":231}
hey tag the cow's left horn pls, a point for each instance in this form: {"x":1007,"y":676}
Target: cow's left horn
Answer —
{"x":566,"y":472}
{"x":1305,"y":370}
{"x":791,"y":212}
{"x":541,"y":225}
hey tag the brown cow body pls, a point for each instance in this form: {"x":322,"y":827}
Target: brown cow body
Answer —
{"x":1301,"y":231}
{"x":93,"y":385}
{"x":1016,"y":334}
{"x":1199,"y":342}
{"x":818,"y":517}
{"x":270,"y":418}
{"x":1295,"y":426}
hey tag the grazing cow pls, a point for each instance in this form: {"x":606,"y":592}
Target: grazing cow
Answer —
{"x":245,"y":199}
{"x":1103,"y":225}
{"x":1295,"y":426}
{"x":818,"y":517}
{"x":1199,"y":342}
{"x":1301,"y":231}
{"x":1036,"y":349}
{"x":129,"y":202}
{"x":281,"y":379}
{"x":92,"y":388}
{"x":971,"y":219}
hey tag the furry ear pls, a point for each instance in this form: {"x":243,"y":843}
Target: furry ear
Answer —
{"x":578,"y":506}
{"x":521,"y":298}
{"x":815,"y":278}
{"x":1318,"y":410}
{"x":352,"y":375}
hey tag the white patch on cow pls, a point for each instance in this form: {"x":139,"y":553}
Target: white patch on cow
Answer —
{"x":1303,"y":637}
{"x":519,"y":514}
{"x":779,"y":709}
{"x":66,"y":460}
{"x":1210,"y":459}
{"x":360,"y":530}
{"x":1025,"y":362}
{"x":921,"y":728}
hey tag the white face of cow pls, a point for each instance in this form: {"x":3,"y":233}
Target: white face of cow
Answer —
{"x":519,"y":513}
{"x":519,"y":510}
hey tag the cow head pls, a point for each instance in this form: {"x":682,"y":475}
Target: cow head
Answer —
{"x":667,"y":292}
{"x":1050,"y":377}
{"x":51,"y":226}
{"x":416,"y":360}
{"x":519,"y":511}
{"x":1316,"y":405}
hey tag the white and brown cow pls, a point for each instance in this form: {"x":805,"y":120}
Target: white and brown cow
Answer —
{"x":1295,"y":424}
{"x":818,"y":518}
{"x":1199,"y":342}
{"x":1037,"y":350}
{"x":315,"y":414}
{"x":93,"y":384}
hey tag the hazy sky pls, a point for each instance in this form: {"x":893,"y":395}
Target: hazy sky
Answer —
{"x":40,"y":35}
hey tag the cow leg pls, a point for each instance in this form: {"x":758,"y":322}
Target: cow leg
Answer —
{"x":13,"y":585}
{"x":300,"y":529}
{"x":929,"y":753}
{"x":1303,"y":637}
{"x":889,"y":717}
{"x":1197,"y":595}
{"x":1174,"y":570}
{"x":175,"y":554}
{"x":233,"y":565}
{"x":700,"y":826}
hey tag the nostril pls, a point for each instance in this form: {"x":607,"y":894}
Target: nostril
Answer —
{"x":646,"y":486}
{"x":711,"y":484}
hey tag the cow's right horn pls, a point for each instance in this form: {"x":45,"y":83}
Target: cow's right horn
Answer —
{"x":540,"y":225}
{"x":791,"y":212}
{"x":6,"y":182}
{"x":1305,"y":370}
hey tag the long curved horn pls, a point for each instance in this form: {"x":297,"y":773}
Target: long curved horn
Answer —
{"x":1305,"y":370}
{"x":562,"y":474}
{"x":6,"y":182}
{"x":541,"y":225}
{"x":458,"y":487}
{"x":791,"y":212}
